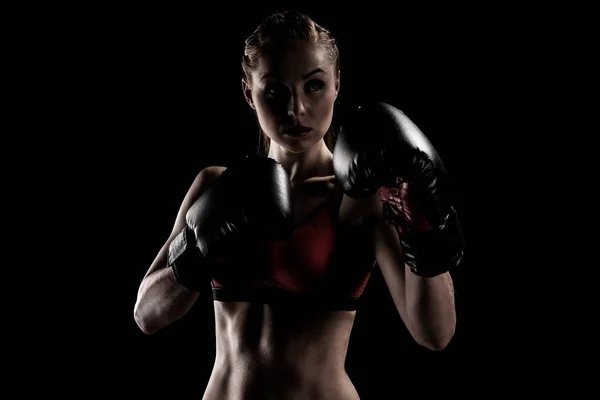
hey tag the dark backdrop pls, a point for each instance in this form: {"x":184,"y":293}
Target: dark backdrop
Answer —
{"x":156,"y":95}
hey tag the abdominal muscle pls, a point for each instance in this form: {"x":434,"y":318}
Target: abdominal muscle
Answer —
{"x":266,"y":351}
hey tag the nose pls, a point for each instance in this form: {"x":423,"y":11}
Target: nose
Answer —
{"x":296,"y":106}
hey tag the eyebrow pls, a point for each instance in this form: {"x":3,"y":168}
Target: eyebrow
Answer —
{"x":314,"y":71}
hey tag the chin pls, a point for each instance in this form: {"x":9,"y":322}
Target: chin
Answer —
{"x":299,"y":144}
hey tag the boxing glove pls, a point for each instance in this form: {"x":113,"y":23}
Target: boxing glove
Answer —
{"x":379,"y":149}
{"x":250,"y":200}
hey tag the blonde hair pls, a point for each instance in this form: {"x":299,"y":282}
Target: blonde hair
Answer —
{"x":273,"y":33}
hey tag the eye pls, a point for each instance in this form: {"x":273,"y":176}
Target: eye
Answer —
{"x":273,"y":91}
{"x":314,"y":85}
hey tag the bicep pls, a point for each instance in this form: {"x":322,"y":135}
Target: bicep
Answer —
{"x":203,"y":180}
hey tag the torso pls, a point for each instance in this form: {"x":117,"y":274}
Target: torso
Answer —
{"x":278,"y":352}
{"x":274,"y":351}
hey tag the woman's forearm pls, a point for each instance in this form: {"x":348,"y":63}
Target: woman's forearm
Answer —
{"x":430,"y":309}
{"x":161,"y":301}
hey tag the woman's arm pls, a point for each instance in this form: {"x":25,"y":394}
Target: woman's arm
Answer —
{"x":426,"y":305}
{"x":161,"y":299}
{"x":418,"y":239}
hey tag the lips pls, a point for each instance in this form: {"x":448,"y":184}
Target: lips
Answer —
{"x":296,"y":130}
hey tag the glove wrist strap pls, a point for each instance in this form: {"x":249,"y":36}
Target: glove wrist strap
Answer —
{"x":436,"y":251}
{"x":189,"y":265}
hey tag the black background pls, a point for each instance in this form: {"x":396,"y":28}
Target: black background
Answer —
{"x":151,"y":94}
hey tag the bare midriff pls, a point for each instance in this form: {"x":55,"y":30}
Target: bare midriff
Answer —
{"x":278,"y":351}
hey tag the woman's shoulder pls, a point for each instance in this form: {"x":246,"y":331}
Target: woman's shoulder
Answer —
{"x":205,"y":178}
{"x":211,"y":172}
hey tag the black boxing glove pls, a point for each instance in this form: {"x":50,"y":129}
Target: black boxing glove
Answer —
{"x":250,"y":200}
{"x":379,"y":149}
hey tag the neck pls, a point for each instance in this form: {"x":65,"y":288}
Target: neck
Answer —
{"x":317,"y":161}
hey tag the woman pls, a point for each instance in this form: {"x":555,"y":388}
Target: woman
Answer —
{"x":286,"y":276}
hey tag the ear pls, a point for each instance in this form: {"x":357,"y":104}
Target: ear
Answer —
{"x":337,"y":84}
{"x":247,"y":93}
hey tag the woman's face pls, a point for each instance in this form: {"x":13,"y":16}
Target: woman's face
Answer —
{"x":293,"y":92}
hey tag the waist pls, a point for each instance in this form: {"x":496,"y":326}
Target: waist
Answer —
{"x":252,"y":380}
{"x":296,"y":365}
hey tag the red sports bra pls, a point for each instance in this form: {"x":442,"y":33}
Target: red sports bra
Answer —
{"x":321,"y":264}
